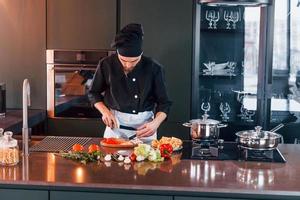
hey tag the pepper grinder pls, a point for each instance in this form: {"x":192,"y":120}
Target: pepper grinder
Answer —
{"x":2,"y":100}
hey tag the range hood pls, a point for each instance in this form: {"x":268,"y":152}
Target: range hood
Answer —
{"x":236,"y":2}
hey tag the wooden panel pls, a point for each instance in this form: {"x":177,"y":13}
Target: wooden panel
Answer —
{"x":168,"y":39}
{"x":13,"y":194}
{"x":80,"y":24}
{"x":22,"y":50}
{"x":107,"y":196}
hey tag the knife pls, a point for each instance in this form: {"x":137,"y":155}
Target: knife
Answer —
{"x":127,"y":128}
{"x":130,"y":129}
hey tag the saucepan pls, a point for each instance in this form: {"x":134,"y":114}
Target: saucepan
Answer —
{"x":258,"y":139}
{"x":204,"y":129}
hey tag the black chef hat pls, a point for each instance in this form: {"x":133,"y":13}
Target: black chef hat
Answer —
{"x":129,"y":40}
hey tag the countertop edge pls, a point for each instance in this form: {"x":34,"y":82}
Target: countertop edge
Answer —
{"x":142,"y":189}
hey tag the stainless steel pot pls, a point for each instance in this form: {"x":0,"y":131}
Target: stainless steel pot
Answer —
{"x":258,"y":139}
{"x":204,"y":129}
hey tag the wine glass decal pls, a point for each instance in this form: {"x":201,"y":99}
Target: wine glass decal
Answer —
{"x":205,"y":106}
{"x":225,"y":110}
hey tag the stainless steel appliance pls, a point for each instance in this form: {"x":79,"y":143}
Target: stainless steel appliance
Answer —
{"x":69,"y":74}
{"x":258,"y":139}
{"x":204,"y":129}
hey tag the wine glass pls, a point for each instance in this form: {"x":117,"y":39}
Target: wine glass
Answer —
{"x":227,"y":18}
{"x":215,"y":18}
{"x":250,"y":114}
{"x":209,"y":68}
{"x":243,"y":111}
{"x":234,"y":18}
{"x":205,"y":106}
{"x":231,"y":67}
{"x":225,"y":109}
{"x":209,"y":15}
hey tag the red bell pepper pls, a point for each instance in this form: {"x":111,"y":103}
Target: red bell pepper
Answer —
{"x":166,"y":150}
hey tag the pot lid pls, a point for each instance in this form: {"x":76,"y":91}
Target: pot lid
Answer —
{"x":257,"y":134}
{"x":205,"y":120}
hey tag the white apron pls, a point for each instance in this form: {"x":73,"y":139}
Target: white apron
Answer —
{"x":130,"y":120}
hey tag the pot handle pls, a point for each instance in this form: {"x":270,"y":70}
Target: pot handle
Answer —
{"x":281,"y":139}
{"x":222,"y":125}
{"x":187,"y":124}
{"x":276,"y":128}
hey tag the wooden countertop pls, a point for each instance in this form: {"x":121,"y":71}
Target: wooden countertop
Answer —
{"x":14,"y":117}
{"x":182,"y":177}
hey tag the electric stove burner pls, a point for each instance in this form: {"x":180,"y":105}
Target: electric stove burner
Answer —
{"x":207,"y":143}
{"x":268,"y":155}
{"x":206,"y":148}
{"x":229,"y":151}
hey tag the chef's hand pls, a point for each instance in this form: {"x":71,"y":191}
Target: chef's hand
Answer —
{"x":150,"y":128}
{"x":107,"y":117}
{"x":147,"y":129}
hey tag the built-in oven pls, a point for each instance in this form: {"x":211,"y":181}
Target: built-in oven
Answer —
{"x":69,"y":75}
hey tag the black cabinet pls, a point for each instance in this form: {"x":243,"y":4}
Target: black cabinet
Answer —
{"x":168,"y":39}
{"x":203,"y":198}
{"x":80,"y":24}
{"x":14,"y":194}
{"x":58,"y":195}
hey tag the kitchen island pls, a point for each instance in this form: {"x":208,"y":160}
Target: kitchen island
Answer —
{"x":51,"y":177}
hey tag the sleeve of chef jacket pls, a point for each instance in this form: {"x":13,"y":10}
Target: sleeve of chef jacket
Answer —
{"x":160,"y":90}
{"x":98,"y":85}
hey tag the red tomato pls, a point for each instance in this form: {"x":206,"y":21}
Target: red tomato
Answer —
{"x":77,"y":147}
{"x":132,"y":157}
{"x":93,"y":147}
{"x":112,"y":141}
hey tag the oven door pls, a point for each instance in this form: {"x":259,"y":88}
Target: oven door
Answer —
{"x":67,"y":91}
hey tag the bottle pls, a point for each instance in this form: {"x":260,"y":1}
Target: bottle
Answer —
{"x":9,"y":150}
{"x":2,"y":100}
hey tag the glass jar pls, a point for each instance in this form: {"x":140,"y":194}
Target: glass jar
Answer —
{"x":1,"y":138}
{"x":9,"y":150}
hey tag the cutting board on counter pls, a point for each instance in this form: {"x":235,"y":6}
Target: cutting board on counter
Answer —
{"x":116,"y":143}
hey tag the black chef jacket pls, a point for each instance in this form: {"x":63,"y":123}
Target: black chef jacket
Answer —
{"x":142,"y":89}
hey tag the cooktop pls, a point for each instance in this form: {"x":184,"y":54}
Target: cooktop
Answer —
{"x":229,"y":151}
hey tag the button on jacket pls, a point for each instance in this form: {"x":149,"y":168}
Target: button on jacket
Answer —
{"x":142,"y":89}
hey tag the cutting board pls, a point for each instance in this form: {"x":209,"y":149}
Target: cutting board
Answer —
{"x":123,"y":144}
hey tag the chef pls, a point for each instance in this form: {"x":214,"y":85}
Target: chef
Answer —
{"x":129,"y":89}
